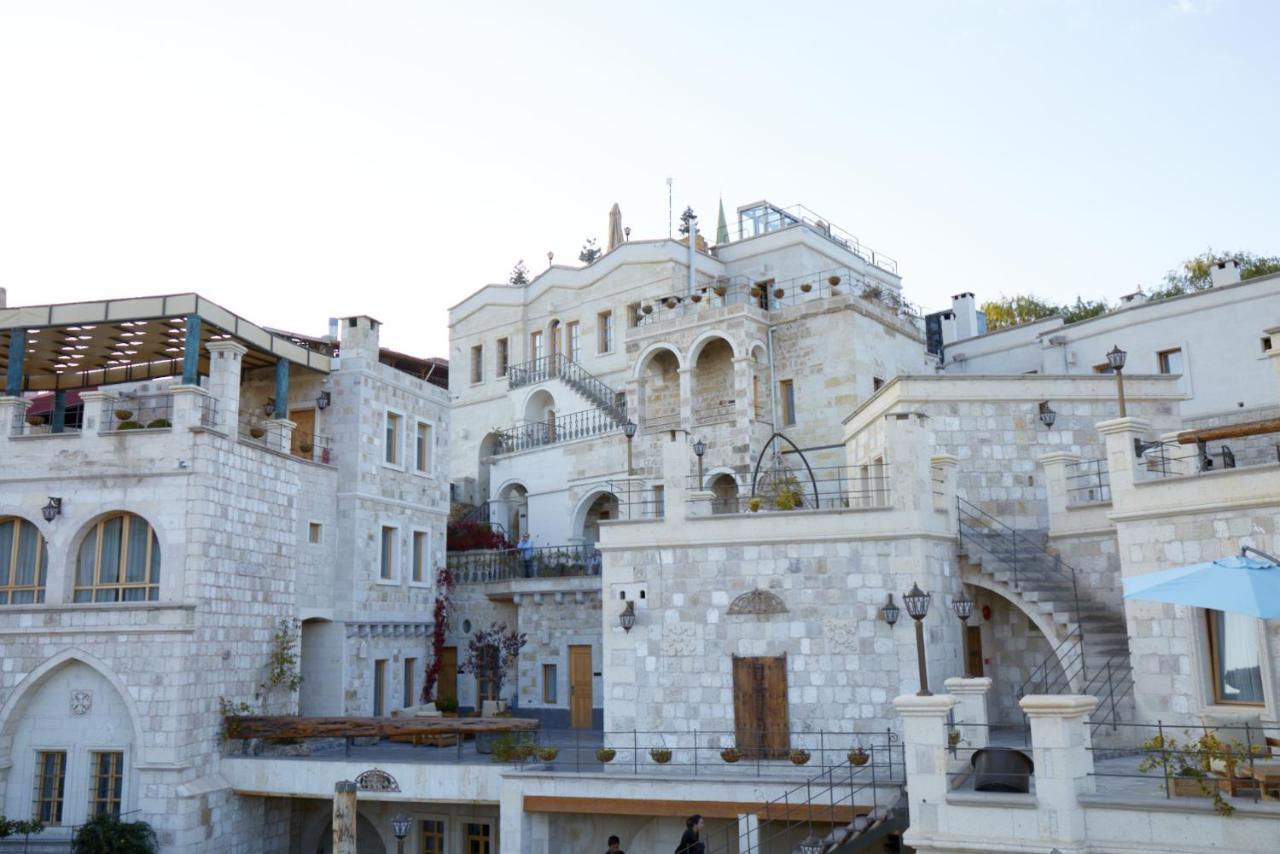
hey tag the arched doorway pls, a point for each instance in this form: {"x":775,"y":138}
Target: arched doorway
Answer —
{"x":659,"y":391}
{"x":514,"y":511}
{"x":602,"y":508}
{"x":368,"y":840}
{"x":724,"y":494}
{"x":490,"y":446}
{"x":539,"y":426}
{"x":713,"y":396}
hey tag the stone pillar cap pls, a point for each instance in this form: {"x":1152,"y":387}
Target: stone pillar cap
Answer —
{"x":944,"y":460}
{"x":915,"y":706}
{"x":1128,"y":424}
{"x":968,"y":684}
{"x":1059,"y":457}
{"x":1058,"y":705}
{"x":227,"y":344}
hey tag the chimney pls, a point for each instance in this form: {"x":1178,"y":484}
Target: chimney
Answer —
{"x":1135,"y":298}
{"x":4,"y":298}
{"x":360,"y":338}
{"x":1224,"y":273}
{"x":332,"y":337}
{"x":965,"y":307}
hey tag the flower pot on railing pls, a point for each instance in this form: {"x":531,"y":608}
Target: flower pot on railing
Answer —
{"x":35,"y":420}
{"x":646,"y":308}
{"x":605,"y":754}
{"x":660,"y":755}
{"x":806,"y":287}
{"x":779,"y":293}
{"x":697,"y":297}
{"x":799,"y":757}
{"x":257,"y":431}
{"x":305,"y":447}
{"x":731,"y":754}
{"x":671,"y":302}
{"x":1001,"y":769}
{"x":548,"y":754}
{"x":859,"y":756}
{"x":124,"y":414}
{"x":833,"y":281}
{"x":719,"y":289}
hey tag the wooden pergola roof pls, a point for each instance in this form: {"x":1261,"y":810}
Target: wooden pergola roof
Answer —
{"x":86,"y":344}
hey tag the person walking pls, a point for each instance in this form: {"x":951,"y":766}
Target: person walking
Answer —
{"x":525,"y":548}
{"x":689,"y":843}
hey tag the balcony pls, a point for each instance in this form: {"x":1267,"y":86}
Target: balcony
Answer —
{"x":529,"y":435}
{"x":761,"y":218}
{"x":821,"y":488}
{"x":490,"y":566}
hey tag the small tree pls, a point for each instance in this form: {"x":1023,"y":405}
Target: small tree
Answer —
{"x":1195,"y":274}
{"x":23,"y":828}
{"x":440,"y":617}
{"x":590,"y":252}
{"x":491,"y":653}
{"x":686,"y":219}
{"x":1011,"y":311}
{"x":107,"y":834}
{"x":519,"y":274}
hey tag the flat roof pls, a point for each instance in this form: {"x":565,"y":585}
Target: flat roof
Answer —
{"x":85,"y":344}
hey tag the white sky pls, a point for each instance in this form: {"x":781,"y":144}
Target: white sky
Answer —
{"x":297,"y":160}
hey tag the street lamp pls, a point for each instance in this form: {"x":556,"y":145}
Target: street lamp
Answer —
{"x":890,"y":612}
{"x":699,"y":448}
{"x":963,"y":607}
{"x":630,"y":430}
{"x":1116,"y":359}
{"x":400,"y":827}
{"x":917,"y":602}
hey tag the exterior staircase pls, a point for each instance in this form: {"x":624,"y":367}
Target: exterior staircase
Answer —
{"x":559,"y":367}
{"x":1091,"y":652}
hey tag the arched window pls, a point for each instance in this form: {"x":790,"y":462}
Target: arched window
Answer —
{"x":24,"y":562}
{"x":119,"y":561}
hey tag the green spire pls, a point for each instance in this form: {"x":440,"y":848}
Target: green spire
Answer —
{"x":722,"y":228}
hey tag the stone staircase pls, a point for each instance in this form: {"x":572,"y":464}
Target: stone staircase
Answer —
{"x":604,"y":398}
{"x":1091,"y":640}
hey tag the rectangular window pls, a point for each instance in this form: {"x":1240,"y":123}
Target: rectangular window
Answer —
{"x":387,"y":561}
{"x":1171,"y":361}
{"x":477,"y":839}
{"x":315,"y":533}
{"x":535,"y":345}
{"x":477,"y":363}
{"x":573,"y":331}
{"x":876,"y":384}
{"x":392,"y":454}
{"x":422,"y":447}
{"x":787,"y":393}
{"x":1235,"y":659}
{"x":504,"y":356}
{"x":379,"y":687}
{"x":51,"y":781}
{"x":1266,"y":343}
{"x":659,"y":501}
{"x":410,"y":676}
{"x":604,"y":332}
{"x":549,"y":684}
{"x":107,"y":783}
{"x":421,"y":555}
{"x":432,"y":836}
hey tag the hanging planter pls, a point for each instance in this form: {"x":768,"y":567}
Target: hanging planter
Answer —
{"x":36,"y":420}
{"x":257,"y":431}
{"x":305,"y":447}
{"x":696,"y":297}
{"x":859,"y":756}
{"x":731,"y":754}
{"x":660,"y":755}
{"x":646,"y":308}
{"x":799,"y":757}
{"x":754,"y":504}
{"x":833,"y":280}
{"x":672,"y":302}
{"x":806,"y":287}
{"x":548,"y":754}
{"x":720,"y":289}
{"x":124,"y":414}
{"x":778,"y":293}
{"x":605,"y":754}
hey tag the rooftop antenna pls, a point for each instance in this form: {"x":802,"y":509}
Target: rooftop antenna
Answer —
{"x":670,"y":233}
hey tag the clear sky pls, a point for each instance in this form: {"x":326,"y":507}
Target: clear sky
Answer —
{"x":297,"y":160}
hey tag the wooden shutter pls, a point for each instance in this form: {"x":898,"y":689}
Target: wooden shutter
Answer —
{"x":761,"y":720}
{"x":777,"y":721}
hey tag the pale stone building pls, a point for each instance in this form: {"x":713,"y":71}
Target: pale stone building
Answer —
{"x":177,"y":485}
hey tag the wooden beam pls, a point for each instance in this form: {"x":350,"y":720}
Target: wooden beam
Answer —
{"x":292,"y":726}
{"x":824,"y":813}
{"x":1231,"y":431}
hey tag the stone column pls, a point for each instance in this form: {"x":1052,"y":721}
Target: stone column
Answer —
{"x":13,"y":412}
{"x":971,"y":709}
{"x":742,"y":403}
{"x":188,"y":404}
{"x":686,"y":398}
{"x":1122,"y":462}
{"x":908,"y":475}
{"x":943,"y":468}
{"x":279,"y":434}
{"x":345,"y":815}
{"x":1274,"y":352}
{"x":676,"y":454}
{"x":1055,"y":478}
{"x":97,"y":418}
{"x":224,"y":383}
{"x":1060,"y":743}
{"x":748,"y":831}
{"x":924,"y":738}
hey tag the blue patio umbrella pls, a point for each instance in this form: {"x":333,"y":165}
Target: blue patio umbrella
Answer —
{"x":1240,"y":584}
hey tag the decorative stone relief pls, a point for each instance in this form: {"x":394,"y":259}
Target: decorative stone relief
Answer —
{"x":81,"y":701}
{"x":840,"y":635}
{"x":678,"y":639}
{"x":758,"y":602}
{"x":377,"y":780}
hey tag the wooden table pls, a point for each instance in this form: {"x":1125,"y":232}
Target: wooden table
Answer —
{"x":1267,"y":776}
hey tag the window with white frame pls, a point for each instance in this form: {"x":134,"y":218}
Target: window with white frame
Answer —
{"x":573,"y":332}
{"x":392,"y":441}
{"x":422,"y":447}
{"x":604,"y":332}
{"x":421,"y":556}
{"x":387,"y":561}
{"x":1235,"y":658}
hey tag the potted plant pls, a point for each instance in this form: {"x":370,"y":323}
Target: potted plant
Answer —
{"x":753,"y":504}
{"x":605,"y":754}
{"x":523,"y":752}
{"x":696,"y":297}
{"x":660,"y":755}
{"x":305,"y":446}
{"x":548,"y":754}
{"x":805,"y":287}
{"x":129,"y":425}
{"x":778,"y":293}
{"x":799,"y":757}
{"x":157,"y":423}
{"x":1187,"y":764}
{"x":108,"y":833}
{"x":731,"y":754}
{"x":124,"y":414}
{"x":859,"y":756}
{"x":647,"y":308}
{"x":35,"y":420}
{"x":256,"y":430}
{"x":833,"y":281}
{"x":721,"y":287}
{"x":671,"y":302}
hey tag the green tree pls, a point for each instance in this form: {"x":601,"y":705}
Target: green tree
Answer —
{"x":1194,"y":274}
{"x":590,"y":252}
{"x":519,"y":274}
{"x":1011,"y":311}
{"x":106,"y":834}
{"x":1083,"y":309}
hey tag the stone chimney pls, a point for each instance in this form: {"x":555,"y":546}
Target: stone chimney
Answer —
{"x":1135,"y":298}
{"x":360,"y":338}
{"x":965,"y":308}
{"x":1224,"y":273}
{"x":4,"y":298}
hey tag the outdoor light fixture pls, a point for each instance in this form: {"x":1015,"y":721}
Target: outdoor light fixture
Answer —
{"x":52,"y":510}
{"x":630,"y":430}
{"x":626,"y":233}
{"x":917,"y":602}
{"x":963,"y":606}
{"x":269,"y":408}
{"x":627,"y":618}
{"x":812,"y":845}
{"x":699,"y":448}
{"x":400,"y":827}
{"x":1047,"y":415}
{"x":1116,"y":359}
{"x":890,"y":612}
{"x":323,"y":400}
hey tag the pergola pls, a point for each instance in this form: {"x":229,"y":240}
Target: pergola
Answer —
{"x":83,"y":345}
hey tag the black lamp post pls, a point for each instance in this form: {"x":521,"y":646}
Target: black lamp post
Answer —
{"x":400,"y":827}
{"x":699,"y":448}
{"x":630,"y":430}
{"x":917,"y":602}
{"x":890,"y":612}
{"x":963,"y":607}
{"x":1116,"y":359}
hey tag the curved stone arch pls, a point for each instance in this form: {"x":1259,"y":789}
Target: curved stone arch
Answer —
{"x":642,"y":360}
{"x":71,"y":548}
{"x":695,"y":349}
{"x":534,"y":390}
{"x":712,"y":473}
{"x":759,"y":602}
{"x":1063,"y":652}
{"x":583,"y":506}
{"x":756,"y":344}
{"x":539,"y":405}
{"x":12,"y":709}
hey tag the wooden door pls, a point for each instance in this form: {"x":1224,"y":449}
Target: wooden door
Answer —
{"x":305,"y":431}
{"x":761,"y":718}
{"x":447,"y":679}
{"x":580,"y":687}
{"x":974,"y":651}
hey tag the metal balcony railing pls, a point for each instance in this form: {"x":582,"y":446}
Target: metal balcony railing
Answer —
{"x":136,"y":412}
{"x":572,"y":374}
{"x":528,"y":435}
{"x":484,"y":567}
{"x":1088,"y":481}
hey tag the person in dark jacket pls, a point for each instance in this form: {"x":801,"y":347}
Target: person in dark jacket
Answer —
{"x":689,"y":843}
{"x":615,"y":846}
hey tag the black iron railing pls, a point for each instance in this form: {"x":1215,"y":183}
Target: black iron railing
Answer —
{"x":136,"y":412}
{"x":572,"y":374}
{"x":1088,"y":481}
{"x":1170,"y":459}
{"x":483,"y":567}
{"x":527,"y":435}
{"x":812,"y":488}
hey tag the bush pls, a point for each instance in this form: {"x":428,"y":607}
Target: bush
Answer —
{"x":129,"y":425}
{"x":472,"y":536}
{"x":107,"y":834}
{"x":159,"y":422}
